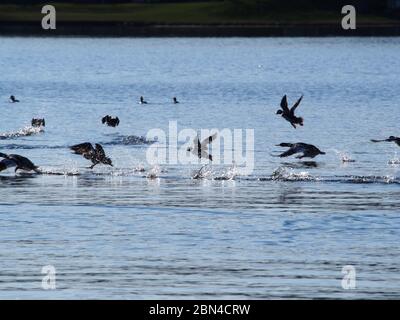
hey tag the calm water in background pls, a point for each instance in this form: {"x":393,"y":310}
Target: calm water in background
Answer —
{"x":285,"y":231}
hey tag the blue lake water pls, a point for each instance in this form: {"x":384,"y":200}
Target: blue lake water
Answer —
{"x":284,"y":231}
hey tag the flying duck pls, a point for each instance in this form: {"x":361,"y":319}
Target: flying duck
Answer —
{"x":96,"y":155}
{"x":110,"y":121}
{"x":307,"y":150}
{"x":390,"y":139}
{"x":13,"y":99}
{"x":38,"y":122}
{"x":17,"y":161}
{"x":288,"y":114}
{"x":142,"y":101}
{"x":199,"y":149}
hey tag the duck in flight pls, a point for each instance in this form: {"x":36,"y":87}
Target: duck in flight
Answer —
{"x":13,"y":99}
{"x":110,"y":121}
{"x":17,"y":161}
{"x":200,"y":149}
{"x":175,"y":100}
{"x":390,"y":139}
{"x":288,"y":114}
{"x":142,"y":101}
{"x":96,"y":155}
{"x":307,"y":150}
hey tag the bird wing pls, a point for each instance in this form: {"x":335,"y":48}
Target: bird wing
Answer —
{"x":208,"y":140}
{"x":100,"y":153}
{"x":196,"y":144}
{"x":296,"y":105}
{"x":288,"y":153}
{"x":3,"y":155}
{"x":85,"y":148}
{"x":22,"y":161}
{"x":373,"y":140}
{"x":205,"y":155}
{"x":284,"y":104}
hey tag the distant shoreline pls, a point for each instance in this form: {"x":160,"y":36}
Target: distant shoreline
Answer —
{"x":120,"y":29}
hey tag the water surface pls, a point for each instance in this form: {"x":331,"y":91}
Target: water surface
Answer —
{"x":285,"y":231}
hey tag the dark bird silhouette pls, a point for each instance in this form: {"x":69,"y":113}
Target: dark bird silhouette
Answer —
{"x":199,"y":149}
{"x":390,"y":139}
{"x":110,"y":121}
{"x":17,"y":161}
{"x":96,"y":155}
{"x":13,"y":99}
{"x":175,"y":100}
{"x":307,"y":150}
{"x":288,"y":114}
{"x":142,"y":101}
{"x":38,"y":122}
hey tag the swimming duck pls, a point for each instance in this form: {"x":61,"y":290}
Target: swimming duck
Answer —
{"x":13,"y":99}
{"x":199,"y":149}
{"x":390,"y":139}
{"x":96,"y":155}
{"x":288,"y":114}
{"x":17,"y":161}
{"x":307,"y":150}
{"x":142,"y":101}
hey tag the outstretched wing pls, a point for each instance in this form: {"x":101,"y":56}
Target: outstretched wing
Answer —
{"x":290,"y":152}
{"x":100,"y":153}
{"x":196,"y":144}
{"x":208,"y":140}
{"x":373,"y":140}
{"x":22,"y":162}
{"x":284,"y":104}
{"x":85,"y":148}
{"x":296,"y":105}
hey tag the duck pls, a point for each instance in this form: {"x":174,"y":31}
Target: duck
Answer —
{"x":394,"y":139}
{"x":307,"y":150}
{"x":289,"y":114}
{"x":38,"y":122}
{"x":13,"y":99}
{"x":110,"y":121}
{"x":175,"y":100}
{"x":95,"y":154}
{"x":142,"y":101}
{"x":17,"y":161}
{"x":199,"y":149}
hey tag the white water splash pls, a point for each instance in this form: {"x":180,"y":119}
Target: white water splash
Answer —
{"x":395,"y":161}
{"x":154,"y":172}
{"x":288,"y":174}
{"x":344,"y":156}
{"x":24,"y":132}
